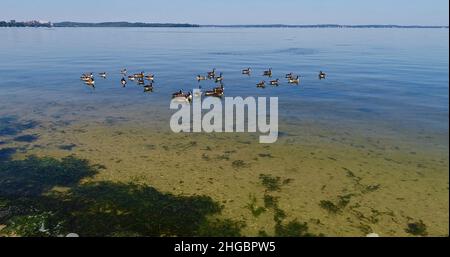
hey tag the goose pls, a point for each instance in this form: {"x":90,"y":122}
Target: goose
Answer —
{"x":275,"y":82}
{"x":123,"y":72}
{"x":268,"y":73}
{"x":247,"y":71}
{"x":90,"y":82}
{"x":148,"y":88}
{"x":220,"y":78}
{"x":139,"y":75}
{"x":141,"y":82}
{"x":212,"y":74}
{"x":216,"y":92}
{"x":86,"y":76}
{"x":123,"y":81}
{"x":261,"y":84}
{"x":150,"y":77}
{"x":322,"y":75}
{"x":293,"y":80}
{"x":178,"y":94}
{"x":132,"y":78}
{"x":289,"y":75}
{"x":102,"y":74}
{"x":182,"y":96}
{"x":200,"y":78}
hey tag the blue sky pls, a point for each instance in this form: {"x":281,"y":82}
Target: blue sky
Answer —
{"x":402,"y":12}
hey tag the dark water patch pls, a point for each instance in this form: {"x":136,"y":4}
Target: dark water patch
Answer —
{"x":417,"y":229}
{"x":68,"y":147}
{"x":6,"y":153}
{"x":297,"y":51}
{"x":30,"y":207}
{"x":11,"y":126}
{"x":26,"y":138}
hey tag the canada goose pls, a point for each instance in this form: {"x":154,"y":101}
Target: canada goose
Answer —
{"x":275,"y":82}
{"x":90,"y":82}
{"x":216,"y":92}
{"x":182,"y":96}
{"x":139,"y":75}
{"x":86,"y":76}
{"x":212,"y":74}
{"x":102,"y":74}
{"x":268,"y":73}
{"x":141,"y":82}
{"x":177,"y":94}
{"x":150,"y":77}
{"x":148,"y":88}
{"x":261,"y":84}
{"x":289,"y":75}
{"x":123,"y":72}
{"x":247,"y":71}
{"x":200,"y":78}
{"x":220,"y":78}
{"x":293,"y":80}
{"x":123,"y":81}
{"x":322,"y":75}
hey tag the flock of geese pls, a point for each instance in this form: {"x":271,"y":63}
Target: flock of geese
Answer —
{"x":147,"y":80}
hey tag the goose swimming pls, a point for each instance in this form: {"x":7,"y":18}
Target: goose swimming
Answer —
{"x":132,"y":78}
{"x":102,"y":74}
{"x":200,"y":78}
{"x":275,"y":82}
{"x":141,"y":82}
{"x":139,"y":75}
{"x":123,"y":72}
{"x":261,"y":84}
{"x":268,"y":73}
{"x":90,"y":82}
{"x":220,"y":78}
{"x":212,"y":74}
{"x":247,"y":71}
{"x":148,"y":88}
{"x":293,"y":80}
{"x":150,"y":77}
{"x":123,"y":81}
{"x":289,"y":75}
{"x":182,"y":96}
{"x":322,"y":75}
{"x":216,"y":92}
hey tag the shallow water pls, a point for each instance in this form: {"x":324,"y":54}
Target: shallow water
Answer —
{"x":375,"y":131}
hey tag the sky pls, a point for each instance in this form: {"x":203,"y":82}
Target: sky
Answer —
{"x":220,"y":12}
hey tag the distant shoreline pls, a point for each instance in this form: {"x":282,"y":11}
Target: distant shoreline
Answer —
{"x":68,"y":24}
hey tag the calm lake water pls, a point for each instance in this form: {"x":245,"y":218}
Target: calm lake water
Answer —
{"x":371,"y":138}
{"x":394,"y":76}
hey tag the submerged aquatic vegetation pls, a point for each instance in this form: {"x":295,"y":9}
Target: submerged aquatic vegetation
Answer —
{"x":329,"y":206}
{"x":26,"y":138}
{"x":11,"y":126}
{"x":256,"y":211}
{"x":30,"y":207}
{"x":271,"y":183}
{"x":417,"y":228}
{"x":270,"y":201}
{"x":293,"y":229}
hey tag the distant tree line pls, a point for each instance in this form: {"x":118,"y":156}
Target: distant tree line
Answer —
{"x":25,"y":24}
